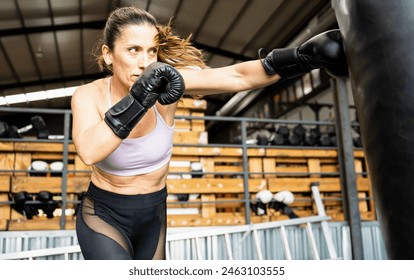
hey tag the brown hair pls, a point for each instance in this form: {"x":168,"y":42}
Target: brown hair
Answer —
{"x":173,"y":50}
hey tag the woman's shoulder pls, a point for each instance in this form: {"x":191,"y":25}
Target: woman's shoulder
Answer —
{"x":95,"y":86}
{"x":89,"y":95}
{"x":92,"y":89}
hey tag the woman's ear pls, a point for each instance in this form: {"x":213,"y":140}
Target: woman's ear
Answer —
{"x":106,"y":53}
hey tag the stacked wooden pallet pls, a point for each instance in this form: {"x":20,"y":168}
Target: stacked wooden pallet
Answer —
{"x":215,"y":199}
{"x":230,"y":179}
{"x":219,"y":196}
{"x":190,"y":130}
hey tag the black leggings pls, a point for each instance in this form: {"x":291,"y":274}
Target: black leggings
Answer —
{"x":111,"y":226}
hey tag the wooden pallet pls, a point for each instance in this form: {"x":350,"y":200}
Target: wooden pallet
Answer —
{"x":5,"y":209}
{"x":220,"y":191}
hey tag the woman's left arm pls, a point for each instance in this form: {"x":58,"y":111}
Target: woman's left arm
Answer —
{"x":233,"y":78}
{"x":324,"y":50}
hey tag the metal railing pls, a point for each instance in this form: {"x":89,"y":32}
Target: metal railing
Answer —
{"x":206,"y":236}
{"x":209,"y":237}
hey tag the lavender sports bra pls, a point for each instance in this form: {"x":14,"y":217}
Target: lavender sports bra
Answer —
{"x":141,"y":155}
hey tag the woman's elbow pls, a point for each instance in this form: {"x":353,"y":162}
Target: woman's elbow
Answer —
{"x":87,"y":160}
{"x":88,"y":156}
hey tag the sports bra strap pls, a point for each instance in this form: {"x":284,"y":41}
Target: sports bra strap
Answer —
{"x":109,"y":93}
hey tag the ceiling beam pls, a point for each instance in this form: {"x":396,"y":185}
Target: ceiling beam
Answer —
{"x":218,"y":51}
{"x":99,"y":25}
{"x":68,"y":79}
{"x":52,"y":28}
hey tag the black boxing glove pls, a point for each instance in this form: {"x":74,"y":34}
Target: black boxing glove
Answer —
{"x":124,"y":115}
{"x":159,"y":81}
{"x":169,"y":82}
{"x":324,"y":50}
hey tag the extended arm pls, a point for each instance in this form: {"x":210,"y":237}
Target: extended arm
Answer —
{"x":322,"y":51}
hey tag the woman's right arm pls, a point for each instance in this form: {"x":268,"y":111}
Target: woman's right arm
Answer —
{"x":93,"y":138}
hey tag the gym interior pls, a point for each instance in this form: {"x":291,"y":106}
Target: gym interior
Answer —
{"x":301,"y":169}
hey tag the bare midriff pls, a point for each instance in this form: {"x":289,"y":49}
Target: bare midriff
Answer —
{"x":130,"y":185}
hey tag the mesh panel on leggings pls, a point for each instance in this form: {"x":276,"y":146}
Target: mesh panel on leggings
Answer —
{"x":100,"y":226}
{"x":160,"y":251}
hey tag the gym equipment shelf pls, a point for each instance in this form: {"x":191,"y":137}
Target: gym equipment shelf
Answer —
{"x":219,"y":194}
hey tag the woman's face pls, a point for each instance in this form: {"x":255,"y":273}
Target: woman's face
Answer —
{"x":134,"y":50}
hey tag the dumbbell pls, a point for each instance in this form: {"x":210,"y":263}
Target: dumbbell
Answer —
{"x":4,"y":130}
{"x":259,"y":207}
{"x":281,"y":136}
{"x":277,"y":139}
{"x":36,"y":123}
{"x":7,"y":131}
{"x":48,"y":205}
{"x":325,"y":140}
{"x":262,"y":139}
{"x":20,"y":204}
{"x":38,"y":168}
{"x":56,"y":167}
{"x":294,"y":140}
{"x":41,"y":168}
{"x":196,"y":167}
{"x":281,"y":202}
{"x":297,"y":136}
{"x":312,"y":137}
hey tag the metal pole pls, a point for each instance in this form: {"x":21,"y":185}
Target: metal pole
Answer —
{"x":66,"y":128}
{"x":245,"y":173}
{"x":347,"y":166}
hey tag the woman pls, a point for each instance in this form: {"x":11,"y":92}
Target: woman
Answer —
{"x":123,"y":125}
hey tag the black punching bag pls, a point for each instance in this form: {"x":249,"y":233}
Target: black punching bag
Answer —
{"x":379,"y":44}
